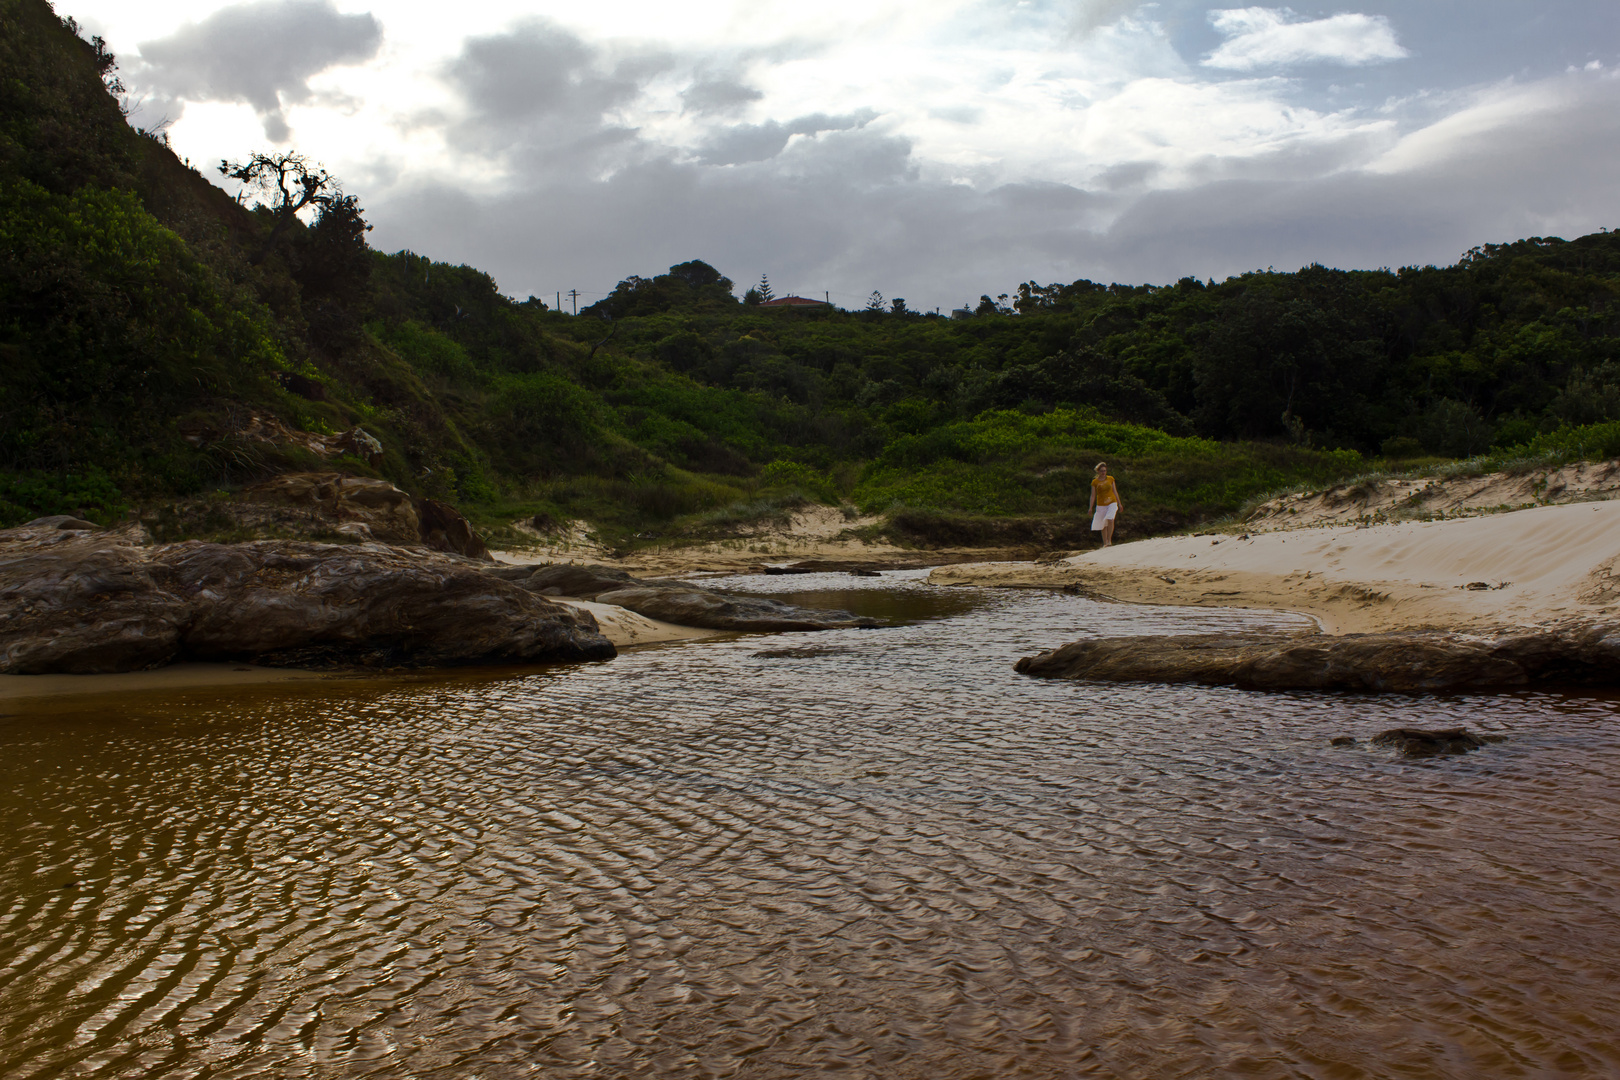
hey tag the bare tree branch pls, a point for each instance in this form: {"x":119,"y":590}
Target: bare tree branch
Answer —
{"x":286,"y":183}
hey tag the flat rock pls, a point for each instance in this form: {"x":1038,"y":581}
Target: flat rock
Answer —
{"x":76,"y":603}
{"x":679,"y":602}
{"x":1400,"y":662}
{"x":720,"y":611}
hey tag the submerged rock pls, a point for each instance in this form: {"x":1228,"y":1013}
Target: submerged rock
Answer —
{"x":1401,"y":662}
{"x":1422,"y":742}
{"x":719,"y":611}
{"x":800,"y":653}
{"x":679,"y":601}
{"x":72,"y":602}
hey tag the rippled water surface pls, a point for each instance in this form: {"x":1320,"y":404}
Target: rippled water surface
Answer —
{"x":886,"y":856}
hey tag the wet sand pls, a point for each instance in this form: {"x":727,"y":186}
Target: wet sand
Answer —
{"x":173,"y":677}
{"x":627,"y":629}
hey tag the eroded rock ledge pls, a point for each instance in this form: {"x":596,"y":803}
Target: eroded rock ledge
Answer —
{"x":74,"y":601}
{"x":678,"y":601}
{"x":1403,"y":662}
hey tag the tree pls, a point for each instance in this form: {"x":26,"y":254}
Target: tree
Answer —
{"x":698,"y":274}
{"x":875,"y":301}
{"x":898,"y":305}
{"x":286,"y":183}
{"x":764,"y":289}
{"x":331,"y":262}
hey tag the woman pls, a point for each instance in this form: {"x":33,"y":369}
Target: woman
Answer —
{"x":1105,"y":504}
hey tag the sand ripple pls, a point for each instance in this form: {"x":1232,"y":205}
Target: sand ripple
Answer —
{"x":888,"y":859}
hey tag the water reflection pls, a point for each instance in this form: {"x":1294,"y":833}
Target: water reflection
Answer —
{"x":890,"y":858}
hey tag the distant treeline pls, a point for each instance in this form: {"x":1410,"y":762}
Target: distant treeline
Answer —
{"x":1512,"y":341}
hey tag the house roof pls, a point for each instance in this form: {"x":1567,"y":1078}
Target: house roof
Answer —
{"x":793,"y":301}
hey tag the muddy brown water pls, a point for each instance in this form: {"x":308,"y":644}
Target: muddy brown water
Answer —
{"x":887,"y":857}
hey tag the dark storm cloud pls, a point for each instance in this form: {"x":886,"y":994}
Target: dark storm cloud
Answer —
{"x":263,"y":54}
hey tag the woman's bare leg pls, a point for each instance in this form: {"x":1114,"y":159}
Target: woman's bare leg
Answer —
{"x":1108,"y":533}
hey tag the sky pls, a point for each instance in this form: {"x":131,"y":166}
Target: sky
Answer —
{"x":929,"y":151}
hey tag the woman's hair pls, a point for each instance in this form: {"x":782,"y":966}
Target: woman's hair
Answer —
{"x":1100,"y":466}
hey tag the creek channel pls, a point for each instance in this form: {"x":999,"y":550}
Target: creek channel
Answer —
{"x":871,"y":853}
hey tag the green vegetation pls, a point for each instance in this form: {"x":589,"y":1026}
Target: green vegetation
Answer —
{"x":148,"y":321}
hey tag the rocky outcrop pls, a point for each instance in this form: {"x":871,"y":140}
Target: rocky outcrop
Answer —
{"x":367,"y":509}
{"x":1403,"y":662}
{"x":62,"y":521}
{"x":442,"y":528}
{"x":584,"y":582}
{"x":678,"y":601}
{"x":248,"y":430}
{"x":79,"y":602}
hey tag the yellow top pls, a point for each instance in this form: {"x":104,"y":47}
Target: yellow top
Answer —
{"x":1104,"y":491}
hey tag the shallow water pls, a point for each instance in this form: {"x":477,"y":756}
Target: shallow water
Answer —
{"x":891,"y":857}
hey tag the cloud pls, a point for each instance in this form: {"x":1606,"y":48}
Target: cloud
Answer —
{"x":1089,"y":15}
{"x":1521,"y":161}
{"x":263,"y":54}
{"x":718,"y":96}
{"x":537,"y":69}
{"x":851,"y":210}
{"x":539,"y":97}
{"x":1268,"y":37}
{"x":744,"y":143}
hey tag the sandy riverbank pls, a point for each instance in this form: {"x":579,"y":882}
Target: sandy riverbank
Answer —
{"x":1522,"y":568}
{"x":813,"y":533}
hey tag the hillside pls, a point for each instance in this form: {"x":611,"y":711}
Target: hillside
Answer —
{"x":164,"y":346}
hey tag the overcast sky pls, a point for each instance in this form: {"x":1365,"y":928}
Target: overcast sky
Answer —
{"x":933,"y":151}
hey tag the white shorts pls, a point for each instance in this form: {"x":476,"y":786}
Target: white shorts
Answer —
{"x":1104,"y":514}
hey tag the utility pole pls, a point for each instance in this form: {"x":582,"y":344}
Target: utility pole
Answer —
{"x":559,"y":302}
{"x":573,"y":294}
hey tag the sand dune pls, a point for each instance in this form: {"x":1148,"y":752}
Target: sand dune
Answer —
{"x":1522,"y":568}
{"x":1408,"y":498}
